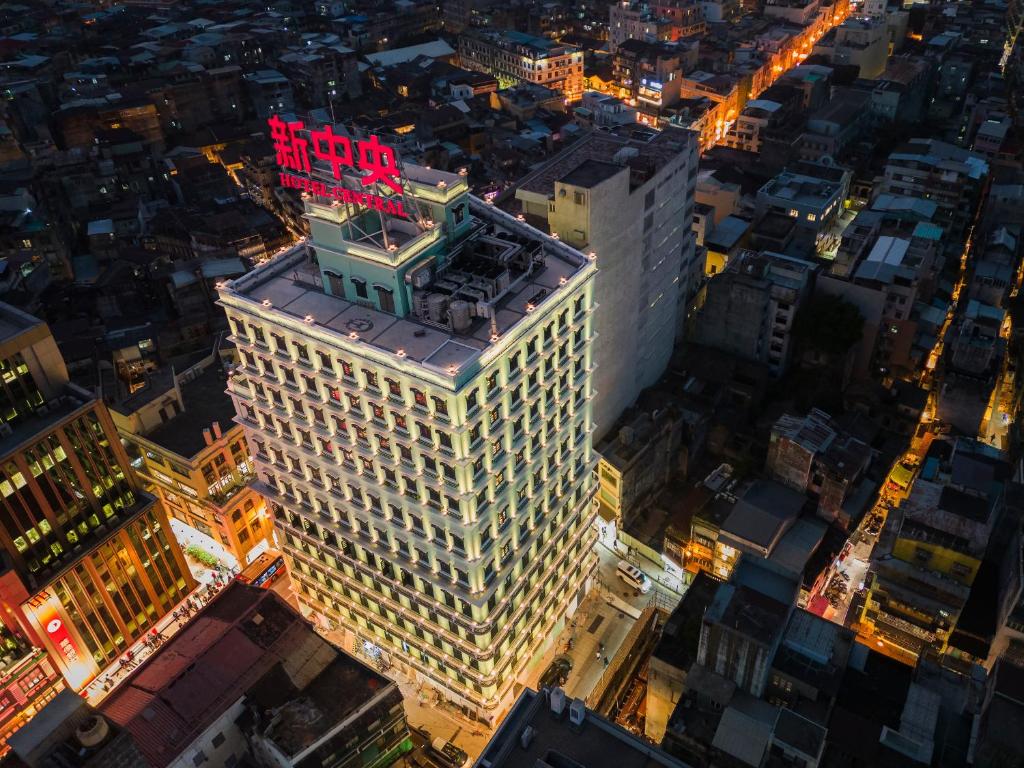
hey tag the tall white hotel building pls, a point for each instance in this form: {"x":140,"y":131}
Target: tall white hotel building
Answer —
{"x":417,"y":393}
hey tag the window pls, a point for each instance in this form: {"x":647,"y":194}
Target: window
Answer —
{"x":217,"y":740}
{"x":199,"y":758}
{"x":360,"y":286}
{"x":420,"y":398}
{"x":385,"y":298}
{"x":440,"y":406}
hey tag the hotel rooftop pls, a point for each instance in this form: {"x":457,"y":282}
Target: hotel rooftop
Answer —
{"x":468,"y":286}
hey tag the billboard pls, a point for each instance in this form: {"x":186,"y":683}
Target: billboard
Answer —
{"x":375,"y":164}
{"x":61,"y":639}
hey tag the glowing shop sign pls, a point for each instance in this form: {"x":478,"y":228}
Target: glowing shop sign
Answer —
{"x":377,"y":163}
{"x":78,"y":668}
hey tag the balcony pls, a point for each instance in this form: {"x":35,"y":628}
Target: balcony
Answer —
{"x":227,"y":491}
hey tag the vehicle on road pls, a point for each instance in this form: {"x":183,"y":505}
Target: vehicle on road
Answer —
{"x":633,"y":576}
{"x":447,"y":753}
{"x":264,"y":570}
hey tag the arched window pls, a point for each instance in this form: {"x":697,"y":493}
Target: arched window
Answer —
{"x":336,"y":283}
{"x":385,"y":298}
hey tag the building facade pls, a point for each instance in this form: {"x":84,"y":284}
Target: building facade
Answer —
{"x":949,"y":176}
{"x":417,"y":393}
{"x":515,"y":57}
{"x":630,"y":203}
{"x":196,"y":460}
{"x":91,"y":562}
{"x":666,"y":21}
{"x":749,"y":308}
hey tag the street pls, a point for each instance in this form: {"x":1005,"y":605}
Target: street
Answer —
{"x":209,"y":584}
{"x":844,"y":580}
{"x":602,"y":623}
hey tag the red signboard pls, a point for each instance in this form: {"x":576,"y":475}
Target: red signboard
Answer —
{"x":78,"y":668}
{"x":376,"y":162}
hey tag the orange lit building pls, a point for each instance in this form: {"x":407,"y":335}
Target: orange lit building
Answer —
{"x":515,"y":57}
{"x":195,"y":458}
{"x":89,"y":562}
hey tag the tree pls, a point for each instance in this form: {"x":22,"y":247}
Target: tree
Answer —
{"x":829,"y":325}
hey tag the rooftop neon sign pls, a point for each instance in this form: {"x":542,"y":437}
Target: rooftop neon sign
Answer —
{"x":376,"y":164}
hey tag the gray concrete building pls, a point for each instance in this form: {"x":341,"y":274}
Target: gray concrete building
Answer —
{"x":630,"y":202}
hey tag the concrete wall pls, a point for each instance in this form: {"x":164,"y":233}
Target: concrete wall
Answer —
{"x":233,"y":743}
{"x":640,"y":253}
{"x":665,"y":686}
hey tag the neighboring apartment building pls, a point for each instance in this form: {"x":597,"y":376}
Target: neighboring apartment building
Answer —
{"x":562,"y":731}
{"x":197,"y":461}
{"x":419,"y":401}
{"x":740,"y":633}
{"x":749,"y":308}
{"x":70,"y":732}
{"x":249,"y":682}
{"x":636,"y":462}
{"x":935,"y":544}
{"x":649,"y":74}
{"x":665,"y":21}
{"x":753,"y":121}
{"x":813,"y":455}
{"x":814,"y":203}
{"x":601,"y":110}
{"x":857,"y":42}
{"x":949,"y":176}
{"x":798,"y":12}
{"x":91,"y":563}
{"x":270,"y":92}
{"x":904,"y":270}
{"x":630,"y":202}
{"x":515,"y":57}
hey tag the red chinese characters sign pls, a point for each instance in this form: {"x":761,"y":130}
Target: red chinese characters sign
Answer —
{"x":78,"y":667}
{"x":376,"y":162}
